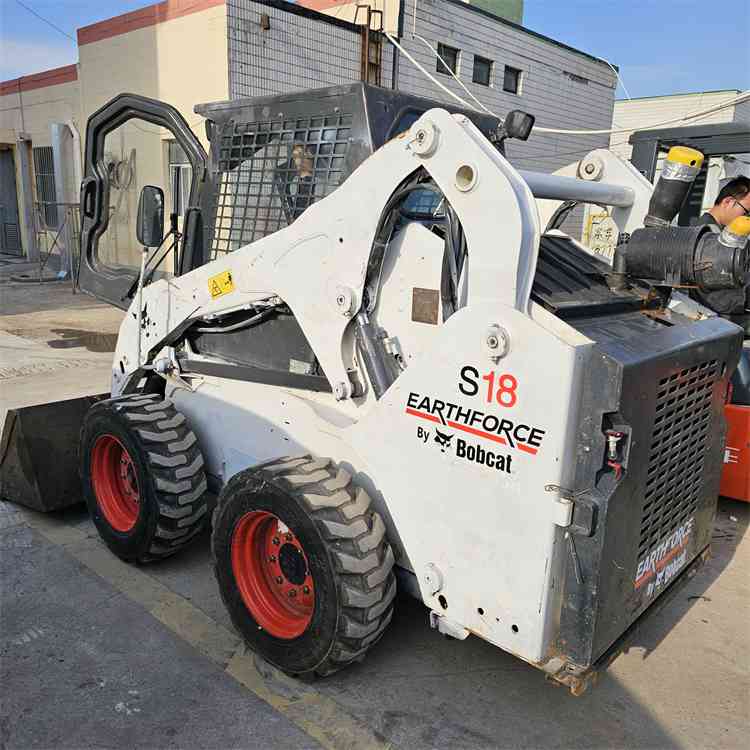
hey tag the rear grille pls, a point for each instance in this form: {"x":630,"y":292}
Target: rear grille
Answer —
{"x":678,"y":448}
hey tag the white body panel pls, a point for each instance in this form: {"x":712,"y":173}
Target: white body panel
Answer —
{"x":491,"y":533}
{"x":470,"y":511}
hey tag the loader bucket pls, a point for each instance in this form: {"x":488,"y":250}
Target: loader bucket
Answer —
{"x":39,"y":454}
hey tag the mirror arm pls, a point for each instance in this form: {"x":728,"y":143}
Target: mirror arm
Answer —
{"x":134,"y":285}
{"x":173,"y":246}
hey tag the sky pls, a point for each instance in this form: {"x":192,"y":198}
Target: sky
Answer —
{"x":660,"y":46}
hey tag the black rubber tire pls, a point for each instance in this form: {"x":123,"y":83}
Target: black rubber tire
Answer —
{"x":349,"y":557}
{"x":169,"y":469}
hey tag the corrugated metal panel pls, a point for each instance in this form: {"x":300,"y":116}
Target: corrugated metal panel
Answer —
{"x":553,"y":77}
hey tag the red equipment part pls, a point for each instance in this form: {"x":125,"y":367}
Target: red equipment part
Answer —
{"x":735,"y":478}
{"x":113,"y":476}
{"x":272,"y":574}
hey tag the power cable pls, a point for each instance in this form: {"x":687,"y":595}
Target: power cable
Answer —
{"x":743,"y":96}
{"x":48,"y":22}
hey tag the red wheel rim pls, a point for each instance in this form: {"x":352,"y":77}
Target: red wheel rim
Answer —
{"x":115,"y":482}
{"x":272,"y":574}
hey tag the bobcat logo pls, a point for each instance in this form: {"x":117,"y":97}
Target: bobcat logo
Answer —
{"x":443,"y":440}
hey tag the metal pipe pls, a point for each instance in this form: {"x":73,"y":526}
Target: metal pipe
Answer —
{"x":554,"y":187}
{"x":139,"y":297}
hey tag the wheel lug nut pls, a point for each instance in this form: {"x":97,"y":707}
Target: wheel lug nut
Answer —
{"x":279,"y":579}
{"x":276,"y":541}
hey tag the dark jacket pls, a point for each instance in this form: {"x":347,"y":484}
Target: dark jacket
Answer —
{"x":725,"y":301}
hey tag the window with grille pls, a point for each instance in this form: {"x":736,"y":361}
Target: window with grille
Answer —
{"x":449,"y":55}
{"x":482,"y":71}
{"x":512,"y":80}
{"x":180,"y":178}
{"x":44,"y":176}
{"x":268,"y":173}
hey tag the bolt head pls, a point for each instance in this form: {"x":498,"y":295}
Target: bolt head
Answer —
{"x":289,"y":537}
{"x":293,"y":593}
{"x":276,"y":541}
{"x":496,"y":341}
{"x":272,"y":558}
{"x":340,"y":391}
{"x":279,"y":580}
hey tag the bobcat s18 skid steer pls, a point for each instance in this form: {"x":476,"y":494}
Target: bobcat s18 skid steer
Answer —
{"x":369,"y":347}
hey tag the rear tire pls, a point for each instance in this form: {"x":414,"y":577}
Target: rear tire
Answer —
{"x":143,"y":477}
{"x":338,"y":563}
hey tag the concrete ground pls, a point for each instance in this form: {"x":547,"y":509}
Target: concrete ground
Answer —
{"x":97,"y":653}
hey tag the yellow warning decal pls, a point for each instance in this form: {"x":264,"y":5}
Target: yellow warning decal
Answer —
{"x":220,"y":284}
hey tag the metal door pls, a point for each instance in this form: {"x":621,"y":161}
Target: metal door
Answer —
{"x":10,"y":234}
{"x":127,"y":143}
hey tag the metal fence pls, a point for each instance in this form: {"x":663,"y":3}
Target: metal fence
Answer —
{"x":65,"y":238}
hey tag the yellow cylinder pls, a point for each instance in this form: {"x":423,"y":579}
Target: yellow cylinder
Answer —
{"x":684,"y":155}
{"x":740,"y":226}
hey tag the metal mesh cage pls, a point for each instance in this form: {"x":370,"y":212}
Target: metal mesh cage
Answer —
{"x":267,"y":173}
{"x":678,"y":448}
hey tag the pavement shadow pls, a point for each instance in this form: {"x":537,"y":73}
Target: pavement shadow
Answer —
{"x":73,"y":338}
{"x":418,"y":689}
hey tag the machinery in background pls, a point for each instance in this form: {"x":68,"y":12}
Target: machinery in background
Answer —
{"x":730,"y":141}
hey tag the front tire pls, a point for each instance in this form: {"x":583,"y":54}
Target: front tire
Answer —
{"x":303,"y":565}
{"x":143,"y":477}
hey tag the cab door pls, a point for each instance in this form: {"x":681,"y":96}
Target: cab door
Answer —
{"x":129,"y":143}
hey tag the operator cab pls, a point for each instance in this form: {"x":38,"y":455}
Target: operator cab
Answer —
{"x":251,"y":174}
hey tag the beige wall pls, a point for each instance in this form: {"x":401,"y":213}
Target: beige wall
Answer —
{"x":639,"y":113}
{"x":182,"y":61}
{"x":41,"y":107}
{"x":31,"y":113}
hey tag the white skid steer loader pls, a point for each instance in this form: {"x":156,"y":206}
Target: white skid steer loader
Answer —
{"x":360,"y":337}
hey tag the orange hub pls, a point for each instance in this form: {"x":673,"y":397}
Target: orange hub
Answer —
{"x":115,"y":484}
{"x":272,"y":574}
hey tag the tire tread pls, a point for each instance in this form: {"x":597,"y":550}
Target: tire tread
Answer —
{"x":356,"y":540}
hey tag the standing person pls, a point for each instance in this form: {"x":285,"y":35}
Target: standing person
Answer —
{"x":732,"y":201}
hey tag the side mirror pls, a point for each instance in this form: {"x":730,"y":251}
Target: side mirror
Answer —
{"x":518,"y":124}
{"x":150,"y":225}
